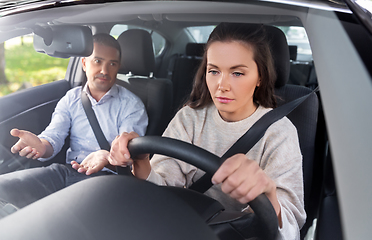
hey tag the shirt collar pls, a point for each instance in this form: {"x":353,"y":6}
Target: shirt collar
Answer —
{"x":113,"y":92}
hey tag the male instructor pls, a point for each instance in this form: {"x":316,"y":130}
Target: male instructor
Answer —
{"x":117,"y":110}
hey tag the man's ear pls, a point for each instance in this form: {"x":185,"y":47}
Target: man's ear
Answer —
{"x":83,"y":61}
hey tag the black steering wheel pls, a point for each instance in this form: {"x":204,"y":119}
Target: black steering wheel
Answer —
{"x":113,"y":207}
{"x":264,"y":215}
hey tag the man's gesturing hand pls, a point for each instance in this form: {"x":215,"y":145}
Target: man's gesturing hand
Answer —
{"x":29,"y":145}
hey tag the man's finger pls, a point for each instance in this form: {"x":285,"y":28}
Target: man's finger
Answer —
{"x":15,"y":149}
{"x":14,"y":132}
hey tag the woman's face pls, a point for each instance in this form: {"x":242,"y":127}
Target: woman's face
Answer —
{"x":232,"y":76}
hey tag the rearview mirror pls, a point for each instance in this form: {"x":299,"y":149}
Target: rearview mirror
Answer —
{"x":63,"y":41}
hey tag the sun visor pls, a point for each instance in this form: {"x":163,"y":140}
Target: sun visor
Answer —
{"x":63,"y":41}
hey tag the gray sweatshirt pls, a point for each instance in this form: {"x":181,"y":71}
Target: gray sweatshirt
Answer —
{"x":277,"y":153}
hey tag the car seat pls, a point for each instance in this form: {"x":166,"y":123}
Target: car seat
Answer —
{"x":136,"y":74}
{"x":184,"y":69}
{"x":329,"y":220}
{"x":304,"y":117}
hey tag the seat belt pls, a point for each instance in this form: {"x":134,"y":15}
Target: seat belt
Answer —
{"x":252,"y":136}
{"x":102,"y":141}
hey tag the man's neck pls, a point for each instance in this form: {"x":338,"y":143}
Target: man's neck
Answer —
{"x":97,"y":95}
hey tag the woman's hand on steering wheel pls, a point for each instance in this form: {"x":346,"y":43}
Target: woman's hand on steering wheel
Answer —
{"x":244,"y":180}
{"x":120,"y":156}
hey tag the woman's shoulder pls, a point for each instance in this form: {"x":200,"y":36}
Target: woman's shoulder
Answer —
{"x":283,"y":128}
{"x":282,"y":124}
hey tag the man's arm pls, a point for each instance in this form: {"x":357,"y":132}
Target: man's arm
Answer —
{"x":30,"y":146}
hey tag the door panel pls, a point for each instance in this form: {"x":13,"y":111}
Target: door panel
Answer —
{"x":30,"y":109}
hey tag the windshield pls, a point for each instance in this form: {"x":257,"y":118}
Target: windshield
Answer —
{"x":363,"y":10}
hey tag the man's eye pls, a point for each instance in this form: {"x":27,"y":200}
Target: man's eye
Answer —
{"x":113,"y":64}
{"x":97,"y":61}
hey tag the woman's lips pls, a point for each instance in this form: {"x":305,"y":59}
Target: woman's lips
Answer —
{"x":224,"y":99}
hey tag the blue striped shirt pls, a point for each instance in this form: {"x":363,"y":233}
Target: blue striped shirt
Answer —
{"x":119,"y":110}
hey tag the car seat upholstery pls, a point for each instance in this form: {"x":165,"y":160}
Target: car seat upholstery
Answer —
{"x":136,"y":74}
{"x":185,"y":67}
{"x":304,"y":117}
{"x":329,"y":221}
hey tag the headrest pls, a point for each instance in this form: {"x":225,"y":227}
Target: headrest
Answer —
{"x":195,"y":49}
{"x":280,"y":52}
{"x":137,"y":54}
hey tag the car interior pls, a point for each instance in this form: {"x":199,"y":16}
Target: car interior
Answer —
{"x":163,"y":82}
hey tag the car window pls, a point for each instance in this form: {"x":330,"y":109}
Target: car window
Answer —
{"x":159,"y":41}
{"x":22,"y":67}
{"x":296,"y":36}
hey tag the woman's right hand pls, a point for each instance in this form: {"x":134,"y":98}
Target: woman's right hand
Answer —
{"x":120,"y":156}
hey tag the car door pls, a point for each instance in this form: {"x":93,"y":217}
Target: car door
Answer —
{"x":30,"y":108}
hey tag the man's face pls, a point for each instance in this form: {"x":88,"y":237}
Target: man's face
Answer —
{"x":101,"y":68}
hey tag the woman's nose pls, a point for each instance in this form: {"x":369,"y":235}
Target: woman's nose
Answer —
{"x":224,"y":83}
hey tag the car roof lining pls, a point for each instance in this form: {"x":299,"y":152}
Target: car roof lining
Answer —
{"x":154,"y":12}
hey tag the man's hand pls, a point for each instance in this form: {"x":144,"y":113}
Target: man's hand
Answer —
{"x":29,"y":145}
{"x":93,"y":163}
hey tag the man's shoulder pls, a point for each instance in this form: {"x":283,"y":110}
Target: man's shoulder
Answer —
{"x":73,"y":93}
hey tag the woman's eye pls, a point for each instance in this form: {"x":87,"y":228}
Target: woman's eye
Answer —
{"x":237,"y":74}
{"x":213,"y":72}
{"x":97,"y":61}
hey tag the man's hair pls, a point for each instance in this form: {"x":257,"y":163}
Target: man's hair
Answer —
{"x":252,"y":35}
{"x":107,"y":40}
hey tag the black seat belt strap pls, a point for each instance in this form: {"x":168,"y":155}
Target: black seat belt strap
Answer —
{"x":102,"y":141}
{"x":252,"y":136}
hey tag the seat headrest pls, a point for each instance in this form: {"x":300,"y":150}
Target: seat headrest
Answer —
{"x":137,"y":53}
{"x":280,"y":52}
{"x":195,"y":49}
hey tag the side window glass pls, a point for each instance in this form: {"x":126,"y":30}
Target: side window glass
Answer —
{"x":22,"y":67}
{"x":302,"y":68}
{"x":158,"y":41}
{"x":296,"y":36}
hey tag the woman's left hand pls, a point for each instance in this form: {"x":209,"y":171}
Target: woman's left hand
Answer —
{"x":244,"y":180}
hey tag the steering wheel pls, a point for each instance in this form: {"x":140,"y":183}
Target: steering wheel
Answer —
{"x":264,"y":216}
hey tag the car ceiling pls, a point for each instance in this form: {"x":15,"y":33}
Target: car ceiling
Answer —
{"x":155,"y":15}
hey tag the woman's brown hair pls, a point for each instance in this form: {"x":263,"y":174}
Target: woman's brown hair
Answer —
{"x":253,"y":35}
